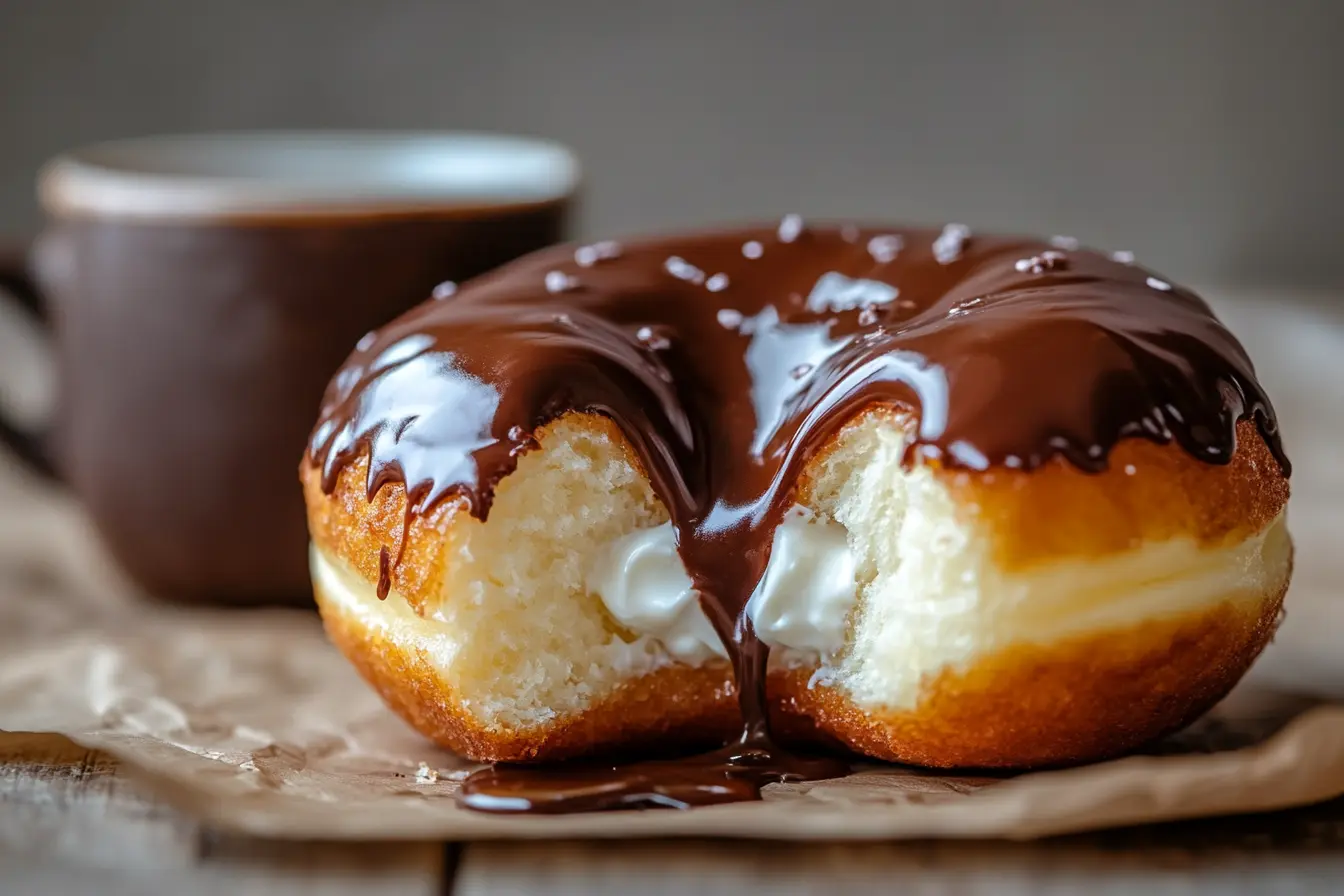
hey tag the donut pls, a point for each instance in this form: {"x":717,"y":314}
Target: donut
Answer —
{"x":923,"y":495}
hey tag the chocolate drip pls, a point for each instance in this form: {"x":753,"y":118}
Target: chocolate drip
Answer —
{"x":727,"y":359}
{"x":385,"y":572}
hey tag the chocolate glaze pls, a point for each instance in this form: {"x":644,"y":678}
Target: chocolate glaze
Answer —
{"x":729,"y":358}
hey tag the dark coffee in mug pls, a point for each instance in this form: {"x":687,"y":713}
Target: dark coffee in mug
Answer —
{"x":201,"y":291}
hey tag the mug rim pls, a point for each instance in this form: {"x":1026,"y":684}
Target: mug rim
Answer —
{"x":205,"y":176}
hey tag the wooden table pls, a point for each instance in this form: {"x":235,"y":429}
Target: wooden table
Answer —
{"x":72,"y":822}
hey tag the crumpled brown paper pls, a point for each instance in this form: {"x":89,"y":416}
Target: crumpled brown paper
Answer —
{"x":253,"y":722}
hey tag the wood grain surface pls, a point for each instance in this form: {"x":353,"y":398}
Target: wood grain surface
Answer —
{"x":70,"y":822}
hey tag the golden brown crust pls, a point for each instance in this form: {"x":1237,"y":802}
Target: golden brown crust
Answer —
{"x":347,"y":525}
{"x":673,"y":705}
{"x":1072,"y":701}
{"x":1081,"y":700}
{"x":1058,"y":511}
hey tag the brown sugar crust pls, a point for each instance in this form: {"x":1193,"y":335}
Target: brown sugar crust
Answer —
{"x":1031,"y":705}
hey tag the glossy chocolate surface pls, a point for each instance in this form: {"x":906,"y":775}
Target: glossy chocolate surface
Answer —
{"x":729,"y":358}
{"x":733,"y":774}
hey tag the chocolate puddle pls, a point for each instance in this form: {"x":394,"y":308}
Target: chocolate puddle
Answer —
{"x":731,"y":774}
{"x":728,"y":358}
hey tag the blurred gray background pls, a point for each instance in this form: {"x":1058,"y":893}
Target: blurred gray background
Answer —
{"x":1206,"y":135}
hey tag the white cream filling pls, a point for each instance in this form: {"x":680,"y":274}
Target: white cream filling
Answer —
{"x":392,"y":618}
{"x":802,"y":602}
{"x":641,"y":581}
{"x":932,"y":615}
{"x":910,"y":627}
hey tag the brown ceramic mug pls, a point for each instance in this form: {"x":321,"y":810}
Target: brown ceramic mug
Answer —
{"x":201,"y":290}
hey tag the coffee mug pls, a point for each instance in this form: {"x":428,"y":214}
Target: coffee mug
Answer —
{"x":201,"y":290}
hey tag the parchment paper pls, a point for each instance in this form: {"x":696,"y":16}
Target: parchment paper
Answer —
{"x":252,"y":721}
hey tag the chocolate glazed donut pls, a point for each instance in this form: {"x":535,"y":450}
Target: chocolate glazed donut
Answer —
{"x":732,"y":361}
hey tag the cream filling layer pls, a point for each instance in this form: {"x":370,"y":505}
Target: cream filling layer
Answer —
{"x":807,"y":598}
{"x":922,"y":620}
{"x":393,"y":618}
{"x":802,"y":603}
{"x":806,"y":603}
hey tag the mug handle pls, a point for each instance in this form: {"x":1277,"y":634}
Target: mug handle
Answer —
{"x":18,"y":283}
